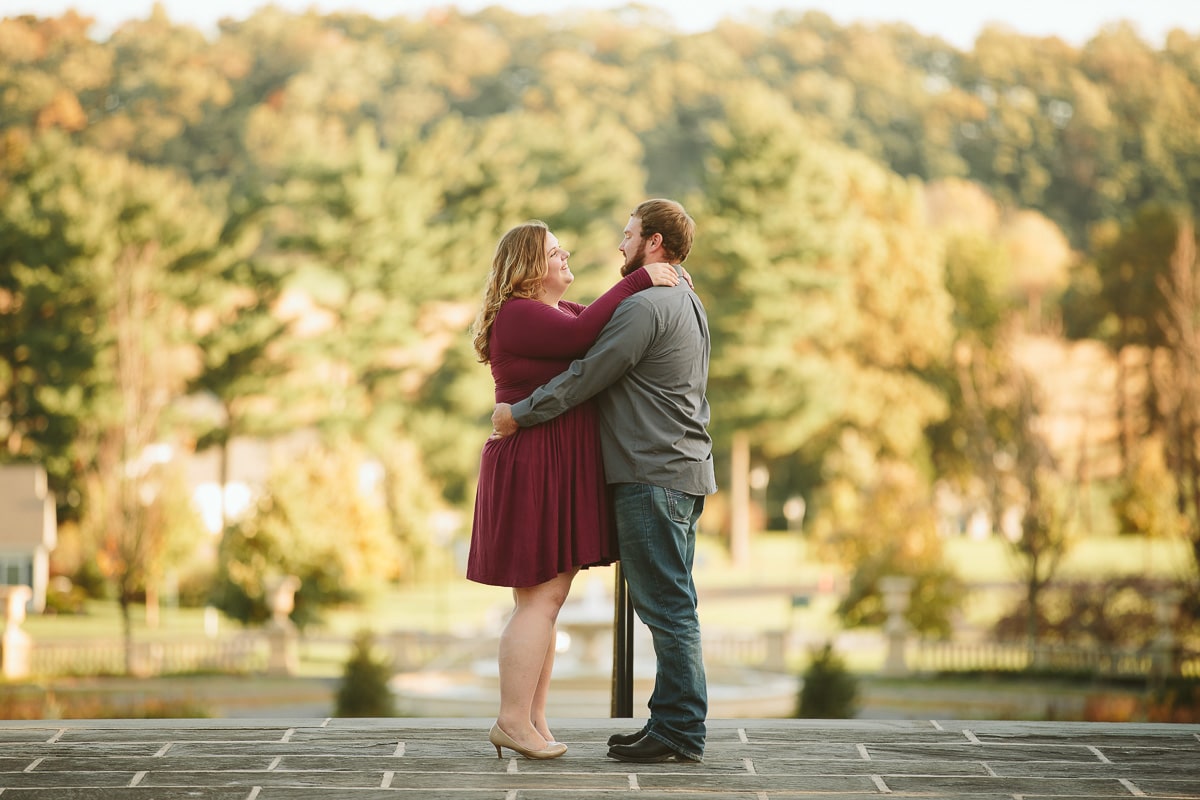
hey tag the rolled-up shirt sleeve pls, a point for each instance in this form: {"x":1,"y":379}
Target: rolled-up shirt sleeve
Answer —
{"x":620,"y":346}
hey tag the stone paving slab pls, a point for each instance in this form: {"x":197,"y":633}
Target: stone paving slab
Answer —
{"x":441,"y":759}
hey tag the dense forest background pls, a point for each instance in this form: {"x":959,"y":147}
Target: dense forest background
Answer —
{"x":949,"y":291}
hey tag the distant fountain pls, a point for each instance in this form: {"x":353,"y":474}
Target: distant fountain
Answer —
{"x":582,"y":687}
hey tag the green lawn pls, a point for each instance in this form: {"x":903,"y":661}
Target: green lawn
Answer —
{"x":1099,"y":557}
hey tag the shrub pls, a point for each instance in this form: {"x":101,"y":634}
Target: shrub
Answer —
{"x":1177,"y":701}
{"x":886,"y":524}
{"x":364,"y":691}
{"x":1116,"y":611}
{"x":829,"y":690}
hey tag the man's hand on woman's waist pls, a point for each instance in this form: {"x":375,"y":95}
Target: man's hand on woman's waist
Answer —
{"x":503,"y":423}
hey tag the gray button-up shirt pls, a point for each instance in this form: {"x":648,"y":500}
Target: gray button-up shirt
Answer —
{"x":649,"y":368}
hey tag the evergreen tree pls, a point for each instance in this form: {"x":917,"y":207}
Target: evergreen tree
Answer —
{"x":829,"y":690}
{"x":364,"y":690}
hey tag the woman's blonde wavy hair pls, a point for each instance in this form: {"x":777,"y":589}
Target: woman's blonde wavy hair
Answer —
{"x":519,"y":269}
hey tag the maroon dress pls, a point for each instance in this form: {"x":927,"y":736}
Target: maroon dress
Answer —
{"x":541,"y":507}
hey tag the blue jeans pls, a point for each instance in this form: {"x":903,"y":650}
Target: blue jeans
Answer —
{"x":656,"y":531}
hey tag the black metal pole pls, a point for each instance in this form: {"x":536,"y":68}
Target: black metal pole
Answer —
{"x":622,"y":690}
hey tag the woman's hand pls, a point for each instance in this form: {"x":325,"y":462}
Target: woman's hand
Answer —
{"x":662,"y":274}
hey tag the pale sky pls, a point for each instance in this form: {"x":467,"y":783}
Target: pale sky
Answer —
{"x":957,"y":21}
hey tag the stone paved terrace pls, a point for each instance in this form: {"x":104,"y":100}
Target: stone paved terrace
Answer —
{"x":760,"y":759}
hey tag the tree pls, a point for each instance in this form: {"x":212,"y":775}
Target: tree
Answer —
{"x":241,"y":333}
{"x":50,"y":317}
{"x":358,"y":225}
{"x":969,"y":444}
{"x":48,"y":70}
{"x":122,"y":483}
{"x":812,"y":263}
{"x":318,"y":518}
{"x":103,"y":253}
{"x":1045,"y":531}
{"x":1040,"y":256}
{"x":163,"y":81}
{"x":801,"y":225}
{"x":1131,"y":261}
{"x":1179,"y":386}
{"x":1147,"y":501}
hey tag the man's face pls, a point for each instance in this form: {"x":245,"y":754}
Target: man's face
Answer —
{"x":633,"y":247}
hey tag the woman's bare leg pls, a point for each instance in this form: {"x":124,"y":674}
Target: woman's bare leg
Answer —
{"x":540,"y":695}
{"x":524,"y":643}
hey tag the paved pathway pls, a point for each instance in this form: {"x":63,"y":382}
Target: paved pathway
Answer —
{"x":759,"y":759}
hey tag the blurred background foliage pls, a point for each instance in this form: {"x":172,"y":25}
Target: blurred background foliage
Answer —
{"x":943,"y":286}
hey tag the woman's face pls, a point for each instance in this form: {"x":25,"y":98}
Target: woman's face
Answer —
{"x":558,"y":272}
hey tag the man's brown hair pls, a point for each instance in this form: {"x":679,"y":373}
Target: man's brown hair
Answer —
{"x":668,"y":219}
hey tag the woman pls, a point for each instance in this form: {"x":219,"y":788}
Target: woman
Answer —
{"x":541,"y":511}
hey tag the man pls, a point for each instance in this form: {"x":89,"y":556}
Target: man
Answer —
{"x":649,"y":368}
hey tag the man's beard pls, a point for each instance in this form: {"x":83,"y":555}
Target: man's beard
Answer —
{"x":635,"y":263}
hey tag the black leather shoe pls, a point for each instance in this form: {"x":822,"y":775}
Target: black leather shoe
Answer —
{"x":646,"y":750}
{"x":625,"y":738}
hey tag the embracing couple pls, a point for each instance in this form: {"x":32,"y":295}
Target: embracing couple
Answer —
{"x":599,"y":451}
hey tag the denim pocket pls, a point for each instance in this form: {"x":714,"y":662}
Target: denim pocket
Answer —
{"x":680,"y":505}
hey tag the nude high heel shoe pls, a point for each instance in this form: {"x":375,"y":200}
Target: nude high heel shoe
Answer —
{"x":499,"y":739}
